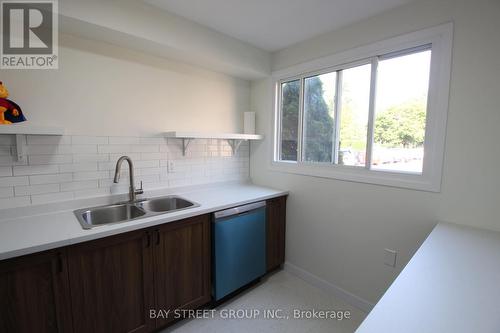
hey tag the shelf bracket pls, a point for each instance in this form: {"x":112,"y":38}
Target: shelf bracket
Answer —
{"x":235,"y":144}
{"x":185,"y":144}
{"x":20,"y":147}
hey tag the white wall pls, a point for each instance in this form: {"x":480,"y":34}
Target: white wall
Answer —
{"x":338,"y":230}
{"x":114,"y":101}
{"x":137,"y":25}
{"x":100,"y":89}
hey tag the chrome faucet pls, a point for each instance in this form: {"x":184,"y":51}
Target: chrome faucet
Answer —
{"x":133,"y":191}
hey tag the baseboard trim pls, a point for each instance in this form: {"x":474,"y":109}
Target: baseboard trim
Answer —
{"x":350,"y":298}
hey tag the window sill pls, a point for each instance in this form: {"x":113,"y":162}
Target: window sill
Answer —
{"x":421,"y":182}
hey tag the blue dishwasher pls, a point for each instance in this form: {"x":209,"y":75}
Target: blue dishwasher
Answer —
{"x":239,"y":247}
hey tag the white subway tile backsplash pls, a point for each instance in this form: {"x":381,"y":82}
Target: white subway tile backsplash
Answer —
{"x":36,"y":189}
{"x":174,"y":175}
{"x":5,"y":171}
{"x":147,"y":179}
{"x":51,"y":197}
{"x":50,"y":179}
{"x":90,"y":158}
{"x":6,"y":192}
{"x":92,"y":193}
{"x":112,"y":166}
{"x":89,"y":175}
{"x":9,"y":160}
{"x":84,"y":149}
{"x":69,"y":167}
{"x":61,"y":149}
{"x":5,"y":150}
{"x":7,"y":140}
{"x":80,"y":185}
{"x":158,"y":140}
{"x":150,"y":156}
{"x":87,"y":166}
{"x":147,"y":164}
{"x":50,"y":159}
{"x":48,"y":139}
{"x":44,"y":149}
{"x":123,"y":140}
{"x":35,"y":170}
{"x":114,"y":156}
{"x":13,"y":181}
{"x":179,"y":182}
{"x":106,"y":182}
{"x":169,"y":148}
{"x":149,"y":171}
{"x":89,"y":140}
{"x":113,"y":148}
{"x":145,"y":148}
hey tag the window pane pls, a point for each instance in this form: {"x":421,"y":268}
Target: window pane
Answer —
{"x":354,"y":111}
{"x":290,"y":95}
{"x":319,"y":100}
{"x":401,"y":106}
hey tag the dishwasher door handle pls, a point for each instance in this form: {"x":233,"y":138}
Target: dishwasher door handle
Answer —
{"x":239,"y":209}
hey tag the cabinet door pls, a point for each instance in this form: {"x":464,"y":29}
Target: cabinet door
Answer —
{"x":182,"y":265}
{"x":34,"y":294}
{"x":112,"y":284}
{"x":275,"y":232}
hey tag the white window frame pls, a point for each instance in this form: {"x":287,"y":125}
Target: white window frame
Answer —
{"x":440,"y":38}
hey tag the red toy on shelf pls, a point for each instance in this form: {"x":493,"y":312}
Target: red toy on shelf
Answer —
{"x":10,"y":112}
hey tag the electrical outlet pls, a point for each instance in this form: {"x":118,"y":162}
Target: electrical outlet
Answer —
{"x":390,"y":257}
{"x":170,"y":166}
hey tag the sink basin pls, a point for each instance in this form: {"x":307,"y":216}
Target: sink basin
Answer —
{"x":108,"y":214}
{"x":165,"y":204}
{"x":124,"y":212}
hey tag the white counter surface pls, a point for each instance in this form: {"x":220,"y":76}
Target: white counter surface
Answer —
{"x":20,"y":235}
{"x":451,"y":285}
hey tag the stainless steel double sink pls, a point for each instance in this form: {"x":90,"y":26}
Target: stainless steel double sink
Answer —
{"x":124,"y":212}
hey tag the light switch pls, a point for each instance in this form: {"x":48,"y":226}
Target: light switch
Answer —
{"x":390,"y":257}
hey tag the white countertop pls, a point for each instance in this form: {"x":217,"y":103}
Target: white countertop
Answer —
{"x":20,"y":235}
{"x":452,"y":284}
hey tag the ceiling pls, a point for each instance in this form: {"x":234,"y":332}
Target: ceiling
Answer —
{"x":275,"y":24}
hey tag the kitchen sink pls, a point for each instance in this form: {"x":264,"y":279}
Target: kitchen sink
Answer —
{"x":110,"y":214}
{"x":124,"y":212}
{"x":165,"y":204}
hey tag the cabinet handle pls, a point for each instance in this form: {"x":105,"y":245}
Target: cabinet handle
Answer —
{"x":157,"y":237}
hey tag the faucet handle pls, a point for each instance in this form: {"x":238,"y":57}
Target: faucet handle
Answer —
{"x":139,"y":190}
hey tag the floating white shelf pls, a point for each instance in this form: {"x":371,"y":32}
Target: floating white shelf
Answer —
{"x":31,"y":130}
{"x":234,"y":139}
{"x":201,"y":135}
{"x":21,"y":130}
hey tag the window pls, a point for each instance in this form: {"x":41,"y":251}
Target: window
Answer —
{"x":353,"y":114}
{"x":368,"y":119}
{"x":337,"y":118}
{"x":319,"y":100}
{"x":400,"y":112}
{"x":290,"y":94}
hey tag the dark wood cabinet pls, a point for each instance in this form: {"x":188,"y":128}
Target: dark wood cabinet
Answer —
{"x":34,"y":294}
{"x":116,"y":281}
{"x":112,"y":284}
{"x":182,"y":265}
{"x":275,"y":232}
